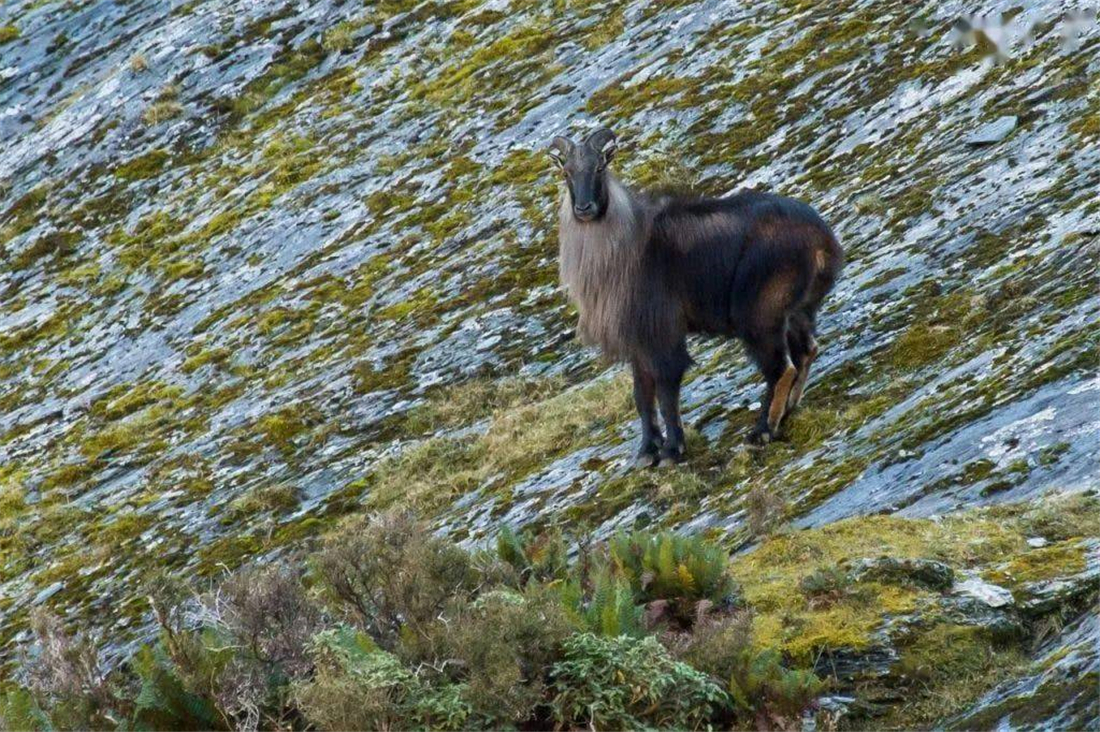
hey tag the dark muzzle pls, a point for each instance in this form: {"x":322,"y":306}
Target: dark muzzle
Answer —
{"x":585,"y":212}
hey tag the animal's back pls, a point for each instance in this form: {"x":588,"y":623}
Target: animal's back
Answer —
{"x":728,"y":252}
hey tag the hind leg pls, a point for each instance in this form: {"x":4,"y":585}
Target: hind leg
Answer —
{"x":769,"y":343}
{"x":799,"y":386}
{"x":772,"y":355}
{"x":803,"y":348}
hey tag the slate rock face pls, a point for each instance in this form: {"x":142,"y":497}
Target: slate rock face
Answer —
{"x":1059,"y":693}
{"x":925,"y":572}
{"x":247,"y":246}
{"x":993,"y":132}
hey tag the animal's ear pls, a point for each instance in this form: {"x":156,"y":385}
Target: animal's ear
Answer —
{"x":603,"y":141}
{"x":559,"y":150}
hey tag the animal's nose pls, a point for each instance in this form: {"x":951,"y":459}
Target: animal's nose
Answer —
{"x":586,"y":209}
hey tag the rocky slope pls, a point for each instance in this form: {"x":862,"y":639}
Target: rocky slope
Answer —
{"x":269,"y":263}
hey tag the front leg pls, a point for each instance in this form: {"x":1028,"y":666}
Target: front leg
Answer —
{"x":670,"y":374}
{"x":668,"y":395}
{"x":645,"y":386}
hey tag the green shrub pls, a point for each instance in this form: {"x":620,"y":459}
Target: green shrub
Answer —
{"x":19,"y":710}
{"x":759,"y":685}
{"x":629,"y":683}
{"x":543,"y":559}
{"x":825,"y":585}
{"x":164,"y":702}
{"x":435,"y":637}
{"x":389,"y":572}
{"x":358,"y":686}
{"x":611,"y":610}
{"x":716,"y":645}
{"x":762,"y":688}
{"x":69,"y":687}
{"x":255,"y":638}
{"x":687,"y":572}
{"x":68,"y":684}
{"x":1064,"y":517}
{"x":499,"y":649}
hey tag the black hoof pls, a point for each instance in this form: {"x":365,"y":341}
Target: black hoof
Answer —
{"x":760,"y":436}
{"x":649,"y":452}
{"x":671,"y":456}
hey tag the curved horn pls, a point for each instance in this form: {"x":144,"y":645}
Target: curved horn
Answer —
{"x":602,"y":141}
{"x":559,"y":149}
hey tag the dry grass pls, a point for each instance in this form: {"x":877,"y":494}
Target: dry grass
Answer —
{"x":164,"y":108}
{"x":470,"y":401}
{"x":521,"y":436}
{"x":158,"y":112}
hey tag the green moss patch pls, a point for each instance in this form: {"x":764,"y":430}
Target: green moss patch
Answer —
{"x":144,"y":166}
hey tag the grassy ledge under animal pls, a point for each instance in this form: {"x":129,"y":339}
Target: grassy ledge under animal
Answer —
{"x":645,"y":270}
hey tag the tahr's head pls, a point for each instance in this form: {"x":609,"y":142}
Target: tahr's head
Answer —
{"x":584,"y":168}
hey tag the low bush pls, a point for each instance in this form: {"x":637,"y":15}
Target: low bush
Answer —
{"x":825,"y":585}
{"x":630,"y":683}
{"x":772,"y":695}
{"x":499,"y":649}
{"x":163,"y":701}
{"x":610,"y":609}
{"x":389,"y":627}
{"x":764,"y":693}
{"x":715,"y":645}
{"x":358,"y":686}
{"x":388,"y":572}
{"x":66,"y":676}
{"x":543,"y":558}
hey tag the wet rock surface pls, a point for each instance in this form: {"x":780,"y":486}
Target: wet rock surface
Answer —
{"x":245,"y":246}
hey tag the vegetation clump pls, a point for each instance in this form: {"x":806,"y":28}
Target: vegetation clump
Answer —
{"x":627,"y":683}
{"x":388,"y":574}
{"x":163,"y":109}
{"x":684,"y":571}
{"x":922,"y":344}
{"x":356,"y":685}
{"x":143,"y":166}
{"x":390,"y":627}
